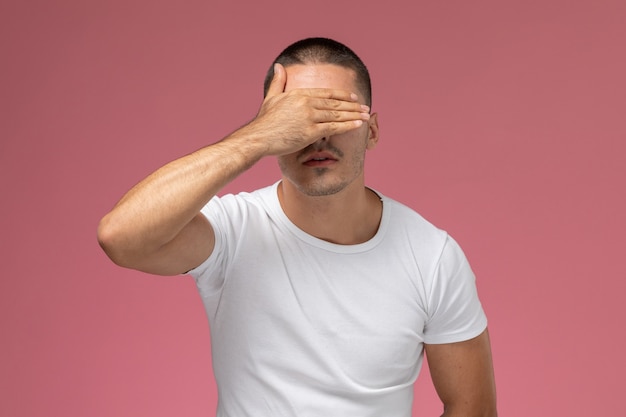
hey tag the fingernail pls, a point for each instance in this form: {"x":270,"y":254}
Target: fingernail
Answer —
{"x":354,"y":96}
{"x":365,"y":108}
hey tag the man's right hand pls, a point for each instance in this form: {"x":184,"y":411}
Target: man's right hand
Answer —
{"x":290,"y":121}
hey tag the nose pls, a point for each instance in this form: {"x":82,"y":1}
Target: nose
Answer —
{"x":319,"y":144}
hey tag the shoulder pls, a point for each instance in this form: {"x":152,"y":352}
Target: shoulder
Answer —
{"x":236,"y":205}
{"x":406,"y":221}
{"x":234,"y":218}
{"x":415,"y":238}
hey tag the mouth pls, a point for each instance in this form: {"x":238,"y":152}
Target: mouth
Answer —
{"x":318,"y":159}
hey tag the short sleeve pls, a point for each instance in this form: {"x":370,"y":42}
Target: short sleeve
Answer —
{"x":209,"y":275}
{"x":455,"y":313}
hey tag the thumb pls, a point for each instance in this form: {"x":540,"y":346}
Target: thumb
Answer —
{"x":277,"y":86}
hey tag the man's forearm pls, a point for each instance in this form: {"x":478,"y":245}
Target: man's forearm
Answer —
{"x":154,"y":211}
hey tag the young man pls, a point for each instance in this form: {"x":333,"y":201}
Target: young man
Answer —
{"x":322,"y":294}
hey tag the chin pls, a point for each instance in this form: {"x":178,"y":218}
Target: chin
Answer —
{"x":320,"y":183}
{"x":320,"y":191}
{"x":320,"y":187}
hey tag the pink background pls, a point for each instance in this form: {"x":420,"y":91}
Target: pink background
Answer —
{"x":502,"y":122}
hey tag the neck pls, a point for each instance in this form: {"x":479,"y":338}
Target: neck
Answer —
{"x":349,"y":217}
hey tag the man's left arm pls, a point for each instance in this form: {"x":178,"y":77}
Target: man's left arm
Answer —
{"x":463,"y":377}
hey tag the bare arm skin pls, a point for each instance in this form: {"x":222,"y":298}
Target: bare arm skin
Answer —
{"x":462,"y":374}
{"x":157,"y":226}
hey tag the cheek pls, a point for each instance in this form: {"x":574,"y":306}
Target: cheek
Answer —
{"x":283,"y":162}
{"x":354,"y":138}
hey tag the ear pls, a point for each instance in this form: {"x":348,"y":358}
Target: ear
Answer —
{"x":372,"y":138}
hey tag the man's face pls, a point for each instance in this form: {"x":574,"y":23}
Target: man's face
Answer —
{"x":331,"y":164}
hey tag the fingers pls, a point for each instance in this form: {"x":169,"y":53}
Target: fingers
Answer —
{"x":327,"y":116}
{"x":337,"y":128}
{"x":277,"y":86}
{"x":330,"y":94}
{"x":335,"y":105}
{"x":296,"y":118}
{"x":332,"y":110}
{"x":340,"y":105}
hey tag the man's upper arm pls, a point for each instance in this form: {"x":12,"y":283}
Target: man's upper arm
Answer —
{"x":192,"y":246}
{"x":462,"y":374}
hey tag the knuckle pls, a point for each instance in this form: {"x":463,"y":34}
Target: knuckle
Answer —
{"x":333,"y":104}
{"x":332,"y":127}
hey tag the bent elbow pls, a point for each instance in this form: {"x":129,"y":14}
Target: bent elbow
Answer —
{"x":111,"y":240}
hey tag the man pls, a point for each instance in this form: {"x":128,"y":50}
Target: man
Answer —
{"x":321,"y":293}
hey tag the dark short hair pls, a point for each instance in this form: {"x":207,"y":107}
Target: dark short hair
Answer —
{"x":323,"y":51}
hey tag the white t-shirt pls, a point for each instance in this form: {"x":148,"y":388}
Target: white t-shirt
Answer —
{"x":301,"y":327}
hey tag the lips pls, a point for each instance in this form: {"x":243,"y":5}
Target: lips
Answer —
{"x":319,"y":159}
